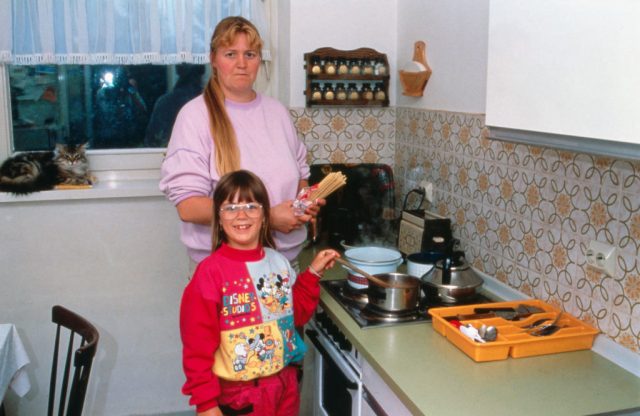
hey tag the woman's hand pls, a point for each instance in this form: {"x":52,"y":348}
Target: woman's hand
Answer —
{"x":324,"y":260}
{"x":284,"y":219}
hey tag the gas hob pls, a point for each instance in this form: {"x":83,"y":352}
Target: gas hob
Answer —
{"x":355,"y":303}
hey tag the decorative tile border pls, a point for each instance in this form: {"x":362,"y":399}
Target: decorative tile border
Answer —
{"x":524,"y":214}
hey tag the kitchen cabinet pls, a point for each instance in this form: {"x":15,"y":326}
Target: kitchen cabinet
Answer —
{"x":565,"y":74}
{"x":358,"y":77}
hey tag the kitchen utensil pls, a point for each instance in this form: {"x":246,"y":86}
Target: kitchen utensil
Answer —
{"x":418,"y":264}
{"x":537,"y":330}
{"x":548,"y":330}
{"x":491,"y":333}
{"x":471,"y":332}
{"x":510,"y":314}
{"x":488,"y":333}
{"x":451,"y":280}
{"x":401,"y":292}
{"x":373,"y":260}
{"x":535,"y":323}
{"x":362,"y":272}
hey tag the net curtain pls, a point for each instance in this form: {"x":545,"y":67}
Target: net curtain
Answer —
{"x":123,"y":32}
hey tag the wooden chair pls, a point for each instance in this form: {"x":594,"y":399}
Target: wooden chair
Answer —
{"x":83,"y":349}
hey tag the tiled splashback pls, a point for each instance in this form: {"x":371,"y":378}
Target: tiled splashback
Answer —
{"x":524,"y":214}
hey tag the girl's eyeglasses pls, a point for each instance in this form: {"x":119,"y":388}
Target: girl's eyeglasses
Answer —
{"x":230,"y":211}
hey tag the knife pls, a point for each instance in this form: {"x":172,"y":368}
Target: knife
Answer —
{"x":508,"y":313}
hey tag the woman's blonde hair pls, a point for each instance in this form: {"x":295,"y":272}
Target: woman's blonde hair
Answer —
{"x":224,"y":137}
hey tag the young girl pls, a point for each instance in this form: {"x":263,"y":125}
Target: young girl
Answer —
{"x":239,"y":311}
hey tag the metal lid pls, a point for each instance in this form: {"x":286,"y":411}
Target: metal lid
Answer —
{"x":457,"y":274}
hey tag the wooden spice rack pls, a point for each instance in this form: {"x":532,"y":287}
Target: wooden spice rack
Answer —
{"x":326,"y":55}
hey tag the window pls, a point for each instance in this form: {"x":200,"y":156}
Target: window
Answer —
{"x":63,"y":98}
{"x":108,"y":106}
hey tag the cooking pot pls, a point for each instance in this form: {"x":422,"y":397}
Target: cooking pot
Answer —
{"x":400,"y":293}
{"x":373,"y":260}
{"x":418,"y":264}
{"x":452,"y":280}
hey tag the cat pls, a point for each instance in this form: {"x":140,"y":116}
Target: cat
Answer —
{"x":29,"y":172}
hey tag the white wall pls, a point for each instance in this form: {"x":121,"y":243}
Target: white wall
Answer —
{"x":340,"y":24}
{"x":456,"y":33}
{"x":119,"y":263}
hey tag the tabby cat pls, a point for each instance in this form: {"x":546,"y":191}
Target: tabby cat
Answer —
{"x":30,"y":172}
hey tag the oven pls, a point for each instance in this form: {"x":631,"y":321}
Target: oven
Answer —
{"x":338,"y":388}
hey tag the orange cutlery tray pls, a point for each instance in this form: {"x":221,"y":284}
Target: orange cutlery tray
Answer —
{"x":512,"y":340}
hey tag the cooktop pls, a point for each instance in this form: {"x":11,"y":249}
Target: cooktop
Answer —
{"x":355,"y":303}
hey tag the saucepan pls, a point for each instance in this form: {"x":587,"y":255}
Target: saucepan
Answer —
{"x":390,"y":292}
{"x":373,"y":260}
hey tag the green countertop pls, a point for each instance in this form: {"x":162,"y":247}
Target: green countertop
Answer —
{"x":431,"y":376}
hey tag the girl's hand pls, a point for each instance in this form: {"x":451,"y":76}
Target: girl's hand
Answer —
{"x":324,"y":260}
{"x":283,"y":218}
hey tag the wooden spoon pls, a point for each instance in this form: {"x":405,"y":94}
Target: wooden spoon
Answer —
{"x":371,"y":277}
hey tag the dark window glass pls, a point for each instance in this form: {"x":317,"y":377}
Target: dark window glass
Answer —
{"x":108,"y":106}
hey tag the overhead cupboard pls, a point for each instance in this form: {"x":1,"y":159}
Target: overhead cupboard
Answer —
{"x":565,"y":73}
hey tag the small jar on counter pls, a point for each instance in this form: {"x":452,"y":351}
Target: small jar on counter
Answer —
{"x":316,"y":92}
{"x":328,"y":93}
{"x":378,"y":92}
{"x":330,"y":67}
{"x":352,"y":92}
{"x":341,"y":92}
{"x":366,"y":92}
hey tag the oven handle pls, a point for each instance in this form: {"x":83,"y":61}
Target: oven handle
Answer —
{"x":314,"y":337}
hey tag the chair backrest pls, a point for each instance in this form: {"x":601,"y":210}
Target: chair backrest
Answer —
{"x":83,"y":341}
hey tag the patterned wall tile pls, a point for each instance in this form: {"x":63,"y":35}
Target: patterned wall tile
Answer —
{"x":524,"y":214}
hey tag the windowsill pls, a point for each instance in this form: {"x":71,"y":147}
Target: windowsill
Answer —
{"x":103,"y":189}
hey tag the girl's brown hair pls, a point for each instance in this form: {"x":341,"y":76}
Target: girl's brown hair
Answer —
{"x":247,"y":187}
{"x":224,"y":137}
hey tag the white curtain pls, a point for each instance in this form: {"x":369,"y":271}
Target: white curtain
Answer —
{"x":117,"y":31}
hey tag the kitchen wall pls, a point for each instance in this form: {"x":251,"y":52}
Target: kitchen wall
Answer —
{"x":524,"y":214}
{"x":120,"y":263}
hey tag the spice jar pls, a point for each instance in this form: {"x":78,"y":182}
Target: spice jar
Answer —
{"x":381,"y":68}
{"x":379,"y":93}
{"x":354,"y":67}
{"x":341,"y":92}
{"x":330,"y":67}
{"x":367,"y":68}
{"x":366,"y":91}
{"x":328,"y":93}
{"x":316,"y":92}
{"x":316,"y":67}
{"x":352,"y":92}
{"x":343,"y":68}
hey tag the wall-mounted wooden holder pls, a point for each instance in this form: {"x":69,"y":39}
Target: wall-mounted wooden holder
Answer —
{"x":414,"y":83}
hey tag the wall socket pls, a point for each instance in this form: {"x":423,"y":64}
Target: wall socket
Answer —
{"x":428,"y":190}
{"x":602,"y":256}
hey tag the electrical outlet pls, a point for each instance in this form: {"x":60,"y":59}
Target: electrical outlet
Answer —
{"x":428,"y":190}
{"x":602,"y":256}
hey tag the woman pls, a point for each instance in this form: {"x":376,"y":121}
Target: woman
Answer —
{"x":230,"y":127}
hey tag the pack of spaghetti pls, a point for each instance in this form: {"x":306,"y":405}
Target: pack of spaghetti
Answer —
{"x":328,"y":185}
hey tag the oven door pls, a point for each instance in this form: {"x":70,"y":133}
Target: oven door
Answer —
{"x":337,"y":386}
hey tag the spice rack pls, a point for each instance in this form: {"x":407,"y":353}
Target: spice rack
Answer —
{"x":362,"y":73}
